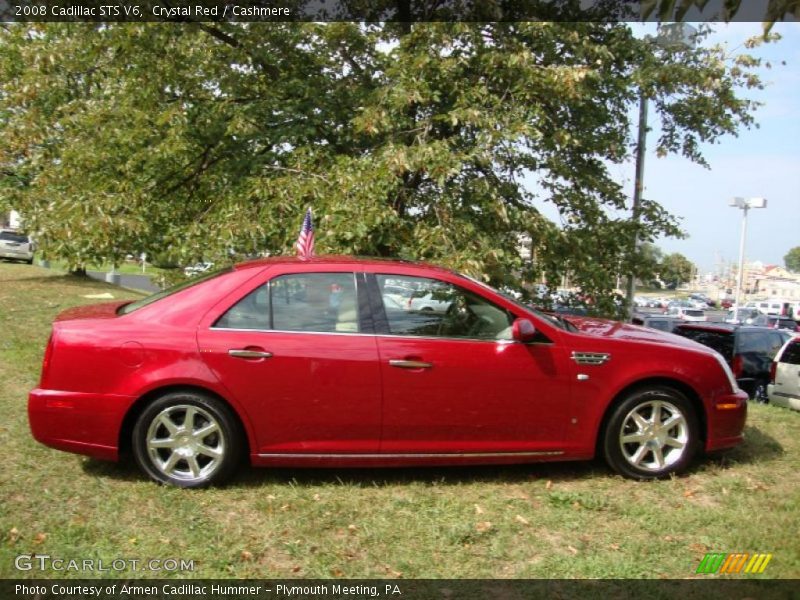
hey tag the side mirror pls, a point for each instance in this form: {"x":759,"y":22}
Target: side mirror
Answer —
{"x":522,"y":330}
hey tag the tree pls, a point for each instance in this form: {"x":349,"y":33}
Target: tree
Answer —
{"x":676,"y":269}
{"x":667,"y":10}
{"x":411,"y":140}
{"x":792,"y":259}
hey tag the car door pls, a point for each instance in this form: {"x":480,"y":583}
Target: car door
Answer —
{"x":297,"y":354}
{"x":455,"y":382}
{"x":787,"y":373}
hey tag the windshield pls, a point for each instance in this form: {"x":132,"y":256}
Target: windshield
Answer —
{"x":129,"y":308}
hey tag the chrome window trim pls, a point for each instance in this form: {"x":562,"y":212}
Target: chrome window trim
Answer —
{"x":383,"y":335}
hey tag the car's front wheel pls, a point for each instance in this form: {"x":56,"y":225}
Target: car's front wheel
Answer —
{"x":187,"y":439}
{"x":651,"y":434}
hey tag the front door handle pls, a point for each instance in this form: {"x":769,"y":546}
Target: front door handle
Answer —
{"x":245,"y":353}
{"x":409,"y":364}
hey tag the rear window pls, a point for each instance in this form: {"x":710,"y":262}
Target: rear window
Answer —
{"x":791,"y":354}
{"x":129,"y":308}
{"x":760,"y":342}
{"x":720,"y":341}
{"x":694,"y":313}
{"x":10,"y":236}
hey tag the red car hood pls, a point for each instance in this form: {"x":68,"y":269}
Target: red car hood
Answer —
{"x":625,"y":331}
{"x":106,"y":310}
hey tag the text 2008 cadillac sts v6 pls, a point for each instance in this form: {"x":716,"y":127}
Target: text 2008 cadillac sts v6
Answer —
{"x":326,"y":362}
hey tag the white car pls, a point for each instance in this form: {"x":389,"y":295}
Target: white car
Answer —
{"x":785,"y":387}
{"x":198,"y":268}
{"x":687,"y":314}
{"x":428,"y":301}
{"x":16,"y":246}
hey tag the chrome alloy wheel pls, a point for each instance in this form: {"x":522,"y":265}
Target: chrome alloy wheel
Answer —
{"x":185,"y":442}
{"x":654,"y":435}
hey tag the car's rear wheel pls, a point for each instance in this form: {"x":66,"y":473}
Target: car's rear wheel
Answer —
{"x":651,"y":434}
{"x":187,"y":439}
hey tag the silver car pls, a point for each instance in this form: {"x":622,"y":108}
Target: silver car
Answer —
{"x":16,"y":246}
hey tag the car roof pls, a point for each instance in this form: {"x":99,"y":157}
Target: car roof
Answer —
{"x":337,"y":260}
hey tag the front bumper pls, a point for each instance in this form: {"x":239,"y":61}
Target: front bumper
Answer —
{"x":78,"y":422}
{"x":726,"y":421}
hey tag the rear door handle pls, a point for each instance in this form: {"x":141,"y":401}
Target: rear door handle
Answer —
{"x":244,"y":353}
{"x":409,"y":364}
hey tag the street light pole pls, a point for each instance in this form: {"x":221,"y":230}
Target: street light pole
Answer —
{"x":745,"y":205}
{"x":671,"y":37}
{"x":740,"y":272}
{"x":637,"y":193}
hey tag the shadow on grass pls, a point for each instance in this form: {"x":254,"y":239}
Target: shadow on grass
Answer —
{"x":756,"y":448}
{"x":247,"y":476}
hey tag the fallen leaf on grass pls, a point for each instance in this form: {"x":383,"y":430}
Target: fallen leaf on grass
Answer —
{"x":688,"y":493}
{"x":478,"y":509}
{"x":521,"y":519}
{"x":39,"y":538}
{"x":483,"y":526}
{"x":337,"y":572}
{"x":614,"y":546}
{"x":573,"y":550}
{"x":246,"y":555}
{"x":548,"y":485}
{"x":13,"y":535}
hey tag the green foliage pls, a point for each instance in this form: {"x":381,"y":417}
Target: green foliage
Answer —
{"x":792,"y":259}
{"x":435,"y":141}
{"x":676,"y":269}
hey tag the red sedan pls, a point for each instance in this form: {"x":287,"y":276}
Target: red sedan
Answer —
{"x":325,"y":363}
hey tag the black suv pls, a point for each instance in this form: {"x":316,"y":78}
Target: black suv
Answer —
{"x":748,"y":350}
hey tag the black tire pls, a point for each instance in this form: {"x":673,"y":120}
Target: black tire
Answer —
{"x":206,"y":452}
{"x":652,"y":452}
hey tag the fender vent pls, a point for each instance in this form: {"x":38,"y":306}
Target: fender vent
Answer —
{"x":590,"y":358}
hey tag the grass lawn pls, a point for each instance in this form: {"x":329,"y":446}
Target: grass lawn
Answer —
{"x":534,"y":521}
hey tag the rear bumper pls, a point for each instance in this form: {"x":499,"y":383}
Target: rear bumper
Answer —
{"x":78,"y":422}
{"x":726,"y":421}
{"x":21,"y":255}
{"x":783,"y":399}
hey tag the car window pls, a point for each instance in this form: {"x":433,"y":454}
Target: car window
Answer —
{"x":10,"y":236}
{"x":132,"y":306}
{"x":791,"y":354}
{"x":439,"y":309}
{"x":761,"y":342}
{"x":315,"y":302}
{"x":720,"y":341}
{"x":251,"y":312}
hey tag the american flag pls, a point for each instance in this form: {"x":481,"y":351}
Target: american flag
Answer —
{"x":305,"y":243}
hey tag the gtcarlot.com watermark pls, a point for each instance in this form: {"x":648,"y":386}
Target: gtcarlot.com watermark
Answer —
{"x":45,"y":562}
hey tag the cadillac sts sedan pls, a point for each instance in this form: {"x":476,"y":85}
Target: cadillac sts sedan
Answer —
{"x":282,"y":362}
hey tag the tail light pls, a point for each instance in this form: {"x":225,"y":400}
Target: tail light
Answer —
{"x":737,"y":366}
{"x":48,"y":353}
{"x":773,"y":368}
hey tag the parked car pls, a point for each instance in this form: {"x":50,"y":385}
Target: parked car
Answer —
{"x":748,"y":350}
{"x":743,"y":316}
{"x":302,"y":363}
{"x":660,"y":322}
{"x":16,"y":245}
{"x":785,"y":323}
{"x":784,"y":387}
{"x":198,"y":268}
{"x":704,"y":299}
{"x":684,"y":313}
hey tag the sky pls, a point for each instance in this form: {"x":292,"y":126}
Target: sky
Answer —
{"x":760,"y":162}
